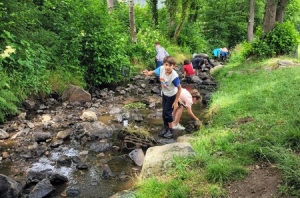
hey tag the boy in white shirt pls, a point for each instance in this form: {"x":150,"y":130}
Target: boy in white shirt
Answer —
{"x":171,"y":89}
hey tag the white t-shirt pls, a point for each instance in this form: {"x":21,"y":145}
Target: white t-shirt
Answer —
{"x":168,"y":83}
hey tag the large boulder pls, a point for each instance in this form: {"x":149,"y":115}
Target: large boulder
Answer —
{"x":158,"y":159}
{"x":96,"y":129}
{"x":74,"y":93}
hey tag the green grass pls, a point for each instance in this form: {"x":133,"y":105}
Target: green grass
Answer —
{"x":255,"y":118}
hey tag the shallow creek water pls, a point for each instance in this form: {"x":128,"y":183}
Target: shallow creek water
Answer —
{"x":90,"y":182}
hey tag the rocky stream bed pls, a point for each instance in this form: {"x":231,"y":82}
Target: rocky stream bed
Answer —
{"x":76,"y":144}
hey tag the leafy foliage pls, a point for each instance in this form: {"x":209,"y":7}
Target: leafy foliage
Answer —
{"x":8,"y":101}
{"x":193,"y":43}
{"x":283,"y":39}
{"x":27,"y":66}
{"x":103,"y":45}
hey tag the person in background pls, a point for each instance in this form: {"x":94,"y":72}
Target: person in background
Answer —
{"x":171,"y":90}
{"x":204,"y":56}
{"x":161,"y":53}
{"x":186,"y":100}
{"x":216,"y":53}
{"x":188,"y":71}
{"x":224,"y":54}
{"x":198,"y":63}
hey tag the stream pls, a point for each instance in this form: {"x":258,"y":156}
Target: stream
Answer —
{"x":100,"y":173}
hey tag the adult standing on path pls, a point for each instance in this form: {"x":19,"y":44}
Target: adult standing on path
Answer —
{"x":161,"y":53}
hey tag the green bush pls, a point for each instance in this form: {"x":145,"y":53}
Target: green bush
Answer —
{"x":240,"y":53}
{"x":26,"y":66}
{"x":195,"y":44}
{"x":104,"y":45}
{"x":8,"y":100}
{"x":283,"y":39}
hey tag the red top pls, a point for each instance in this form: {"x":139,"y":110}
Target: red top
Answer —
{"x":189,"y":70}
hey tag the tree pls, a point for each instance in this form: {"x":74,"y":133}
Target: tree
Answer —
{"x":251,"y":20}
{"x":194,"y":11}
{"x":110,"y":5}
{"x":281,"y":10}
{"x":274,"y":11}
{"x":184,"y":10}
{"x":154,"y":11}
{"x":172,"y":6}
{"x":132,"y":21}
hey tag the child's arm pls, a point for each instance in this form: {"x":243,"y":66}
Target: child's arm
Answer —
{"x":153,"y":72}
{"x":148,"y":73}
{"x":175,"y":104}
{"x":191,"y":114}
{"x":184,"y":74}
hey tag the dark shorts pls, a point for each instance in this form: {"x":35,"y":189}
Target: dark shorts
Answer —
{"x":167,"y":108}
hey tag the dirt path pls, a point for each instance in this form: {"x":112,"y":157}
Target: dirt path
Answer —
{"x":262,"y":182}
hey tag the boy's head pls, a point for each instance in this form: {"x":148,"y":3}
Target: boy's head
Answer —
{"x":186,"y":62}
{"x":169,"y":64}
{"x":170,"y":60}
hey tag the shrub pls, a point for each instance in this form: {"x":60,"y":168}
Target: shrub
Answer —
{"x":283,"y":39}
{"x":8,"y":100}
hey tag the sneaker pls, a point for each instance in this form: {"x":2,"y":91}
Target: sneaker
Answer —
{"x":163,"y":132}
{"x":169,"y":134}
{"x":179,"y":127}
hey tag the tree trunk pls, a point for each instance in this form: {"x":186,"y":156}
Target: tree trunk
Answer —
{"x":270,"y":14}
{"x":110,"y":5}
{"x":172,"y":11}
{"x":132,"y":21}
{"x":281,"y":10}
{"x":184,"y":9}
{"x":251,"y":20}
{"x":153,"y":7}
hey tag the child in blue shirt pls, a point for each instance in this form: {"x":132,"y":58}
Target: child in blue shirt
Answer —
{"x":171,"y":89}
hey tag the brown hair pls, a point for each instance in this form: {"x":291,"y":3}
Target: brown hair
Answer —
{"x":185,"y":62}
{"x":169,"y":59}
{"x":195,"y":93}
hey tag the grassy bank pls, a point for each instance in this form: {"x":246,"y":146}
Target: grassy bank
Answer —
{"x":254,"y":118}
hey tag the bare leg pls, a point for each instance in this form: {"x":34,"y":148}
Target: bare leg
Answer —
{"x":171,"y":125}
{"x":177,"y":115}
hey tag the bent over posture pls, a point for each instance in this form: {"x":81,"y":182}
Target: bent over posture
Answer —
{"x":186,"y":100}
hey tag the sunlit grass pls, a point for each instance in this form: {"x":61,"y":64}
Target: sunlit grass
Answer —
{"x":254,"y":117}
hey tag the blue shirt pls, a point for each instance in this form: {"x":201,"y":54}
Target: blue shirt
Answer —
{"x":216,"y":52}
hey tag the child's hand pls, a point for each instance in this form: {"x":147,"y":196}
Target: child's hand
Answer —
{"x":175,"y":105}
{"x":146,"y":72}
